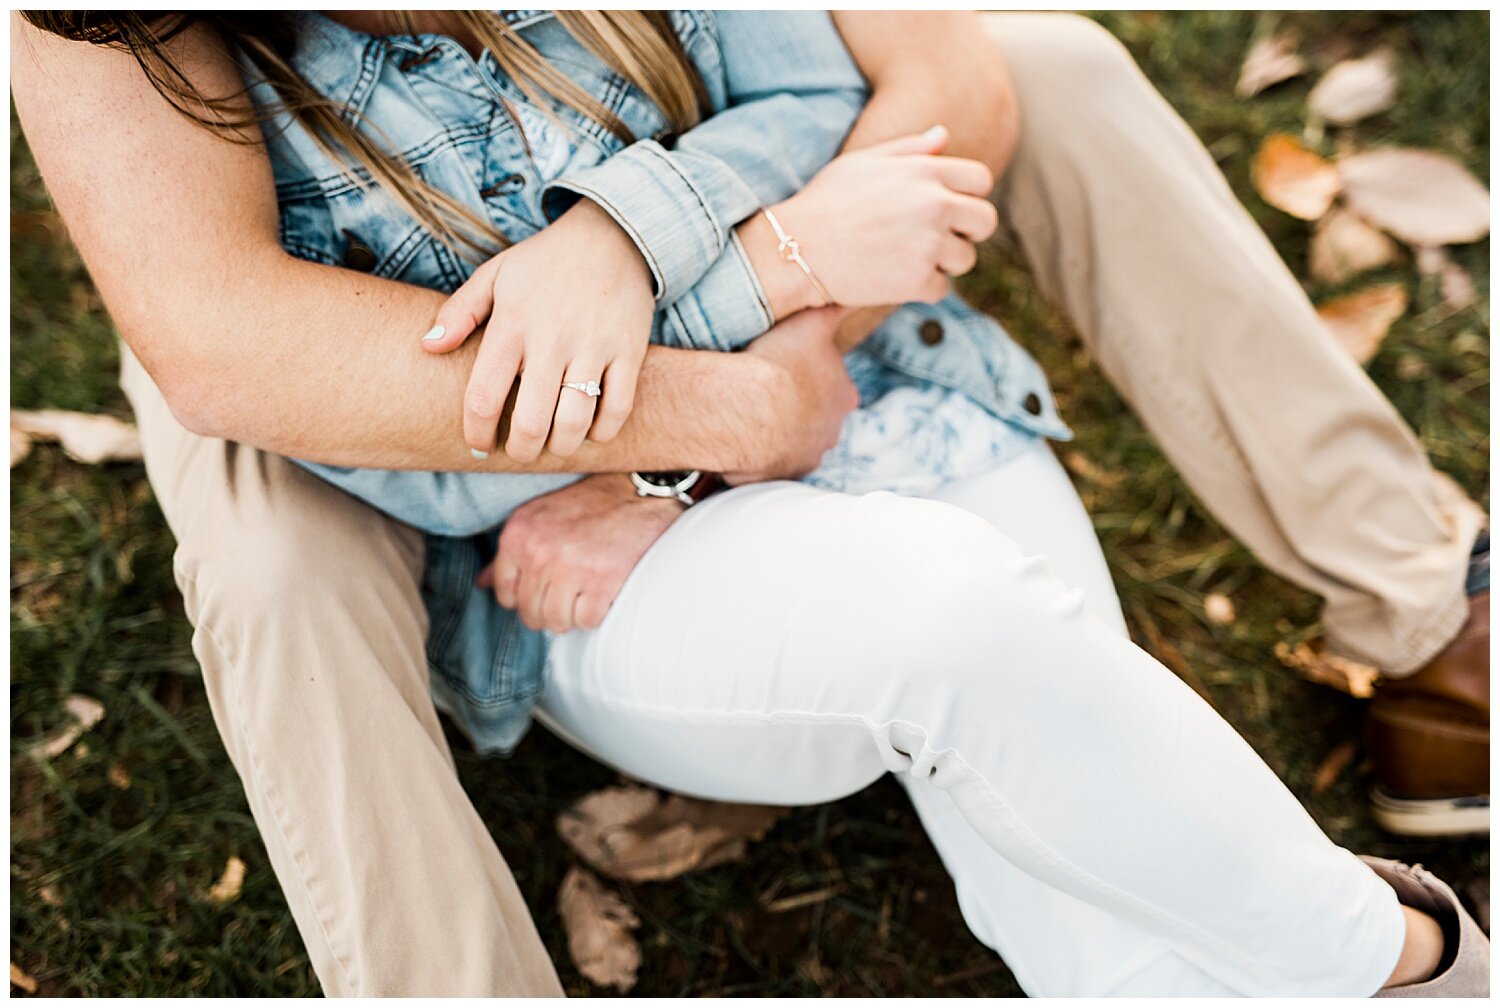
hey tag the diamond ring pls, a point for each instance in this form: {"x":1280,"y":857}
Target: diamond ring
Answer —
{"x":588,"y":388}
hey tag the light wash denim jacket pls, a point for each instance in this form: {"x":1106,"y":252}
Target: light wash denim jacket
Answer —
{"x":783,"y":93}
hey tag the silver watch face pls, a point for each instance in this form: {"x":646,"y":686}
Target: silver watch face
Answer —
{"x":676,"y":479}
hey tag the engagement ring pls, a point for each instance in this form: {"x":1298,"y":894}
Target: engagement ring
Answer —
{"x":588,"y":388}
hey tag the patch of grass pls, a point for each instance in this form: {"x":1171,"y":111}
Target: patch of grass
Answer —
{"x":107,"y":882}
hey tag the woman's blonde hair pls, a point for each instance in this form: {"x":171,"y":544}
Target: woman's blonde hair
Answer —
{"x":639,"y":45}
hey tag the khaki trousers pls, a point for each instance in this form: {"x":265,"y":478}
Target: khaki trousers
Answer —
{"x":309,"y":624}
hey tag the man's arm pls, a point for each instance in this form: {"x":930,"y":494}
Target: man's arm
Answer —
{"x":179,"y":230}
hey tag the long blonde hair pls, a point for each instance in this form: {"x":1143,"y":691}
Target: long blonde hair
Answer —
{"x":639,"y":45}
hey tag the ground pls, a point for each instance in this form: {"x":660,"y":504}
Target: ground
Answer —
{"x":107,"y":881}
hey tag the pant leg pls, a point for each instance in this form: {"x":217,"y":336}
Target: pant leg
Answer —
{"x":310,"y":631}
{"x":1132,"y":231}
{"x":786,"y":645}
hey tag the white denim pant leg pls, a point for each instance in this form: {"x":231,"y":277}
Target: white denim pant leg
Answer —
{"x":788,"y":645}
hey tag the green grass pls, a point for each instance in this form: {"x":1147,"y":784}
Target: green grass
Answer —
{"x":107,"y":882}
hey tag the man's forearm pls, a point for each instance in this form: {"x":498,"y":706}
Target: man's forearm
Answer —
{"x":356,"y":389}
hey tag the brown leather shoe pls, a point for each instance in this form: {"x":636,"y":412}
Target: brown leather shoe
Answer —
{"x":1428,"y":736}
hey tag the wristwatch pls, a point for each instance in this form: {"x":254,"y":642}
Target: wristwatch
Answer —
{"x":686,"y":485}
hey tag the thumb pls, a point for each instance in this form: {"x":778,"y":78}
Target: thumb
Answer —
{"x":931,"y":142}
{"x":464,"y":310}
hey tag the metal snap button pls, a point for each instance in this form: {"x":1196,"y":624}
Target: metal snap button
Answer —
{"x":1032,"y":404}
{"x":506,"y":186}
{"x":358,"y":255}
{"x":931,"y":332}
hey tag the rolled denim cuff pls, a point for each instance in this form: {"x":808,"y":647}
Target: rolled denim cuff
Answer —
{"x":726,"y":310}
{"x":671,"y":220}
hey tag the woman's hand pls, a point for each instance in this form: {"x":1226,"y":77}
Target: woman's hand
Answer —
{"x":564,"y":556}
{"x":572,"y":303}
{"x":881,"y":225}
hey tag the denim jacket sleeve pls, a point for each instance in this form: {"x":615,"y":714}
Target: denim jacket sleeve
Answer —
{"x":789,"y":94}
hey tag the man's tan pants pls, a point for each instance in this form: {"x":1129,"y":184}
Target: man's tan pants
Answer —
{"x":310,"y":628}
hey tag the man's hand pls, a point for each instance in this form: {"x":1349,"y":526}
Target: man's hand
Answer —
{"x":564,"y":556}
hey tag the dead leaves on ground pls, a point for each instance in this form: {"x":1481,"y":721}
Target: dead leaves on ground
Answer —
{"x":227,"y":889}
{"x":83,"y":713}
{"x":21,"y":979}
{"x":86,"y":437}
{"x":1362,"y":200}
{"x":1320,"y":666}
{"x":634,"y":833}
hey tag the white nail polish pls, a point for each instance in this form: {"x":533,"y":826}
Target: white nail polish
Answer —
{"x":435,"y":333}
{"x":479,"y":454}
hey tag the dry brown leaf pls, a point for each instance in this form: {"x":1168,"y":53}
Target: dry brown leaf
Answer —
{"x":598,"y":924}
{"x":48,"y":895}
{"x":86,"y":437}
{"x":1422,"y":197}
{"x":1079,"y":465}
{"x":20,"y":446}
{"x":1333,"y":766}
{"x":227,"y":889}
{"x":20,"y":978}
{"x":630,"y":832}
{"x":1344,"y":246}
{"x":1294,"y":179}
{"x":118,"y":776}
{"x":1355,"y":89}
{"x":1360,"y":320}
{"x":83,"y":713}
{"x":1270,"y":60}
{"x":1219,"y":609}
{"x":1344,"y":674}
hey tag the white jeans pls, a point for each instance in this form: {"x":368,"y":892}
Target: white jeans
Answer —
{"x":1107,"y":831}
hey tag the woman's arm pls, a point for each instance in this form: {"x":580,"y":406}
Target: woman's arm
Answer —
{"x":179,"y":230}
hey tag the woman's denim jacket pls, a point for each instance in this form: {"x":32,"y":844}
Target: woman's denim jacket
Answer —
{"x":783,"y":93}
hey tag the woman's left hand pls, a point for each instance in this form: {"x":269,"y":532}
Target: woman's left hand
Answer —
{"x":564,"y":556}
{"x":572,"y":303}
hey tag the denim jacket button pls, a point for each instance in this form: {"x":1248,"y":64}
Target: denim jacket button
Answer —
{"x":1032,"y":404}
{"x":357,"y":255}
{"x":931,"y":332}
{"x":509,"y":184}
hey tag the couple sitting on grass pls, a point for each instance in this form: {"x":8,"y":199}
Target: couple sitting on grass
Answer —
{"x":768,"y":576}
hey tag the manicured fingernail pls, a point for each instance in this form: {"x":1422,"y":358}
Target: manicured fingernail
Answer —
{"x":934,"y":132}
{"x":435,"y":333}
{"x":479,"y":454}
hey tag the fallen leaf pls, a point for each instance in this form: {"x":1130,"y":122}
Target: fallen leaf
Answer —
{"x":1360,"y":320}
{"x":1454,"y":283}
{"x":20,"y":978}
{"x":227,"y":889}
{"x":118,"y":776}
{"x":1352,"y":677}
{"x":83,"y":713}
{"x":20,"y":446}
{"x":1270,"y":60}
{"x":1294,"y":179}
{"x":86,"y":437}
{"x":598,"y":924}
{"x":1344,"y":246}
{"x":1333,"y":766}
{"x":1219,"y":609}
{"x":1079,"y":465}
{"x":1355,"y":89}
{"x":1420,"y":196}
{"x":630,"y":832}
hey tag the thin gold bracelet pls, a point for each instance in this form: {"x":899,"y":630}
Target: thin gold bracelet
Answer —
{"x":790,"y":251}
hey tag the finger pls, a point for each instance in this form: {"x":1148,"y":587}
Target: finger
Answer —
{"x":964,"y":176}
{"x":507,"y":581}
{"x":956,"y":256}
{"x":575,"y":410}
{"x":533,"y":597}
{"x":557,"y":607}
{"x":464,"y":310}
{"x":589,"y":610}
{"x":973,"y":218}
{"x":490,"y":381}
{"x":615,"y":406}
{"x":536,"y":402}
{"x":486,"y":577}
{"x":930,"y":142}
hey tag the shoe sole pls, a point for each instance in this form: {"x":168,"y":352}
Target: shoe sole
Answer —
{"x":1432,"y":817}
